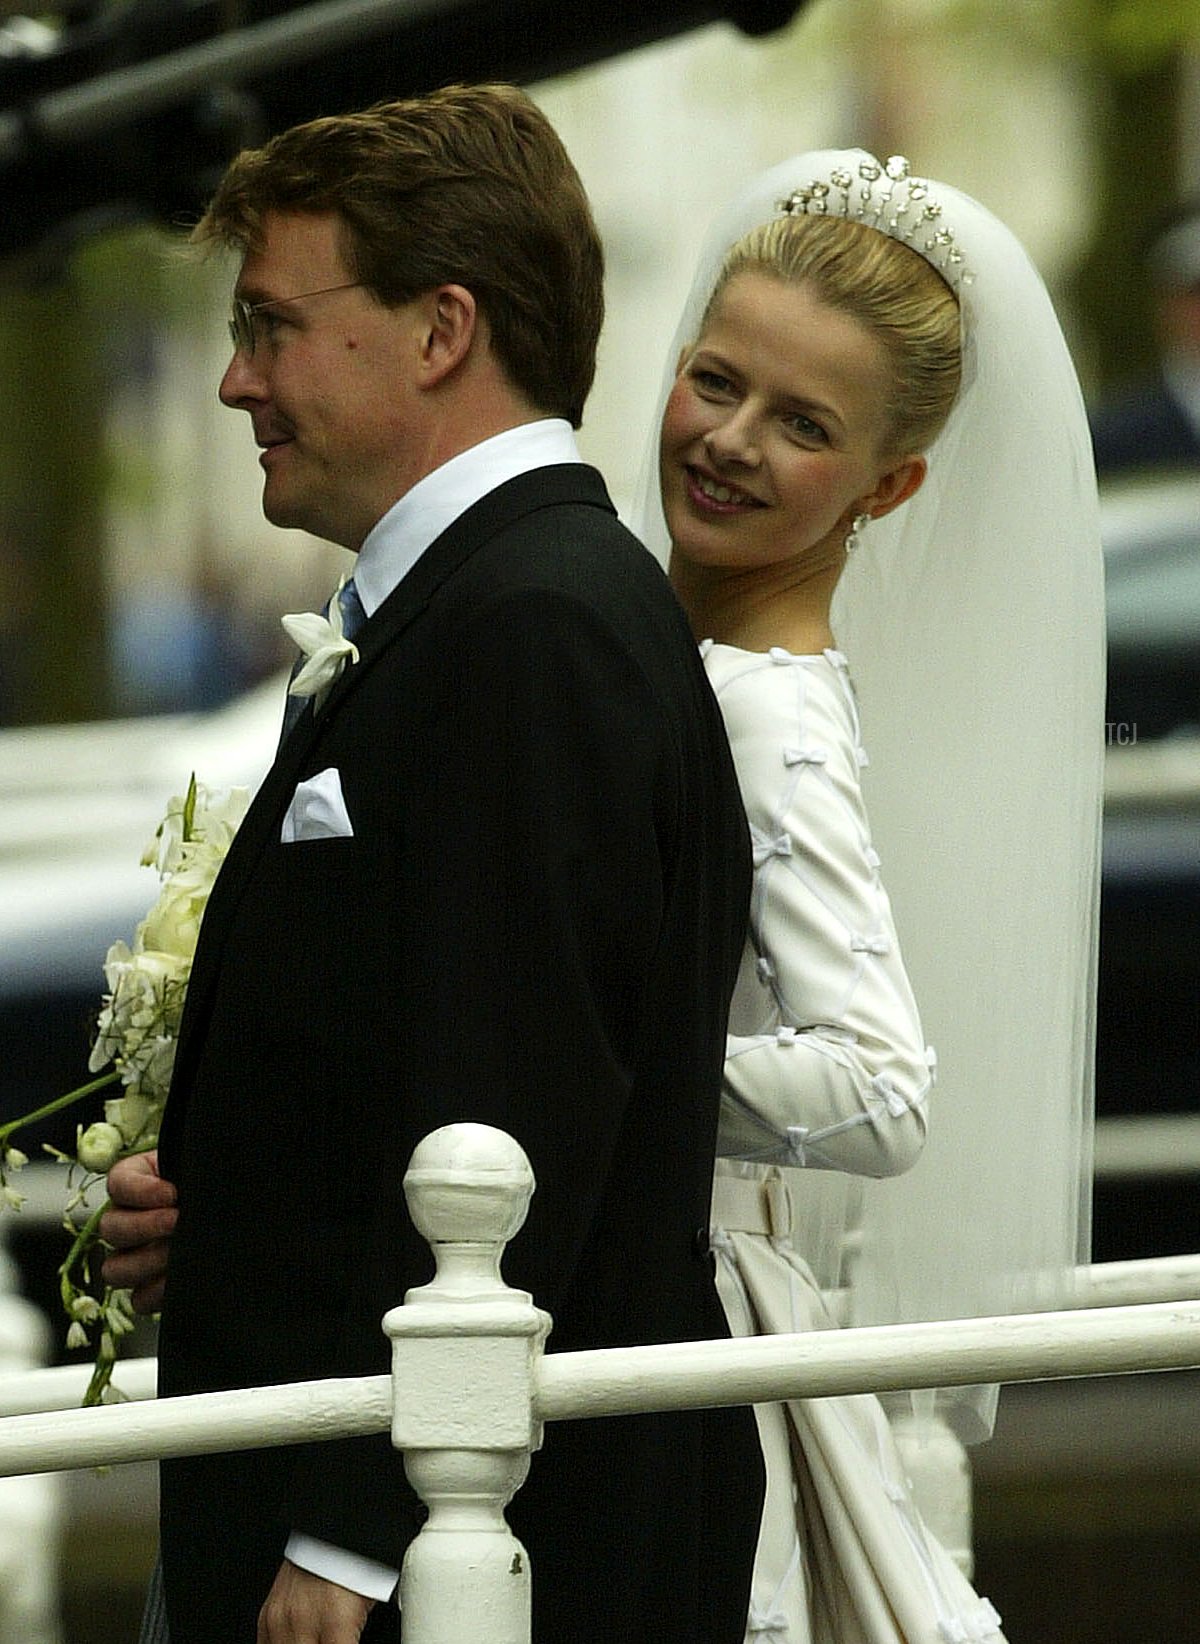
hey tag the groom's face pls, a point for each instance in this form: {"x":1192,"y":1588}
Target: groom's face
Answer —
{"x":327,"y":383}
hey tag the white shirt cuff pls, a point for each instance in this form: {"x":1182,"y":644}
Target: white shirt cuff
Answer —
{"x":350,"y":1570}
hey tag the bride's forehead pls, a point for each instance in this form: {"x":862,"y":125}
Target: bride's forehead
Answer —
{"x":785,"y":321}
{"x":756,"y":299}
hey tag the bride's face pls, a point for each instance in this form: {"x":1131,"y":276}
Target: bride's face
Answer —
{"x":773,"y":432}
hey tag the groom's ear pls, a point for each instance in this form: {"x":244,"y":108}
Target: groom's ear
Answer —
{"x":450,"y":321}
{"x":895,"y":487}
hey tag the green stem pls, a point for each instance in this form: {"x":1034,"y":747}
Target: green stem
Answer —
{"x":102,"y":1371}
{"x":59,"y":1102}
{"x":83,"y":1240}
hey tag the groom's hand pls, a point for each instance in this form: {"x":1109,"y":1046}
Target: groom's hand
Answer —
{"x":306,"y":1609}
{"x":138,"y":1225}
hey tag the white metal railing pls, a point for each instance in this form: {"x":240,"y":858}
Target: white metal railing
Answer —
{"x":1155,"y":1279}
{"x":1139,"y":1146}
{"x":470,"y":1385}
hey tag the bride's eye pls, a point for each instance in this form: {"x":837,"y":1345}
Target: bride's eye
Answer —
{"x":711,"y":382}
{"x":805,"y":429}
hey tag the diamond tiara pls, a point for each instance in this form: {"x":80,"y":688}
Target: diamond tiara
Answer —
{"x":889,"y":198}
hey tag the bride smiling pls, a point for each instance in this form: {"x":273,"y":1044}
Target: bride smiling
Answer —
{"x":873,"y":430}
{"x":774,"y":440}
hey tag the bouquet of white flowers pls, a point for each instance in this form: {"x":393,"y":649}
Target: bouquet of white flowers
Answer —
{"x":136,"y":1034}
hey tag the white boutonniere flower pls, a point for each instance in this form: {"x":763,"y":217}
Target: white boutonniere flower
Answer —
{"x":323,"y":643}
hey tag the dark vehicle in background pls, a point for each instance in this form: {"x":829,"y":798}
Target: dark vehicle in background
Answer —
{"x":1148,"y":1050}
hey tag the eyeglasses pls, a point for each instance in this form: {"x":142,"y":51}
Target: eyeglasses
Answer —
{"x":242,"y":330}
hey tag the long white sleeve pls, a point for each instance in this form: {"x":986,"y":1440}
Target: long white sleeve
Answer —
{"x":826,"y":1064}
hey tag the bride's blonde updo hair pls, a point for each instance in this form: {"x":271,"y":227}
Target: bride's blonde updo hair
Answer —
{"x":885,"y":285}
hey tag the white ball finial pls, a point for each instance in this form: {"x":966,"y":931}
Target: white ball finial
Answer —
{"x":468,"y":1183}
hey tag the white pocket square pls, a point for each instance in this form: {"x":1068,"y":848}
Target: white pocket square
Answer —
{"x":317,"y":810}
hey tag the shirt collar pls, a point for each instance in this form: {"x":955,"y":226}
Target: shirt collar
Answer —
{"x":394,"y":545}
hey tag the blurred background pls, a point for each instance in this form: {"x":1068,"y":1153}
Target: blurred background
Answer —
{"x":140,"y":588}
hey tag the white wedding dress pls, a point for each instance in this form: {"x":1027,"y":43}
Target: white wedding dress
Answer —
{"x":827,"y":1081}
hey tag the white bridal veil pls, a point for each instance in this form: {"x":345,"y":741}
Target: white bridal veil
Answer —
{"x":973,"y":618}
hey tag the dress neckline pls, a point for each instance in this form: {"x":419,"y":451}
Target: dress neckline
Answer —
{"x":780,"y":653}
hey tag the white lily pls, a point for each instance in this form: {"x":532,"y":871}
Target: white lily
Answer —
{"x":324,"y":644}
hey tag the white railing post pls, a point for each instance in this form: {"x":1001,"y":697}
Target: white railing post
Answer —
{"x":30,"y":1507}
{"x":464,"y":1353}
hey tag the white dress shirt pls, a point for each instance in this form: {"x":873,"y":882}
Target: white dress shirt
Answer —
{"x":389,"y":552}
{"x":393,"y":546}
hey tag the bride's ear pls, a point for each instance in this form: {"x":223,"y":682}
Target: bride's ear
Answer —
{"x":895,"y":487}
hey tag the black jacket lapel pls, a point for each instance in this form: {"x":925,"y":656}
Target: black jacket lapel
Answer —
{"x":528,"y":493}
{"x":500,"y":509}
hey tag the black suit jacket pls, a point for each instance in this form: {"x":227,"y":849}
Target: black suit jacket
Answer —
{"x":536,"y":925}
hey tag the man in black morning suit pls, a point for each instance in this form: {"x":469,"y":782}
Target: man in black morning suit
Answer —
{"x":497,"y":872}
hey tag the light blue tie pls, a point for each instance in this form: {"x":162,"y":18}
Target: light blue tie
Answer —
{"x":353,"y":617}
